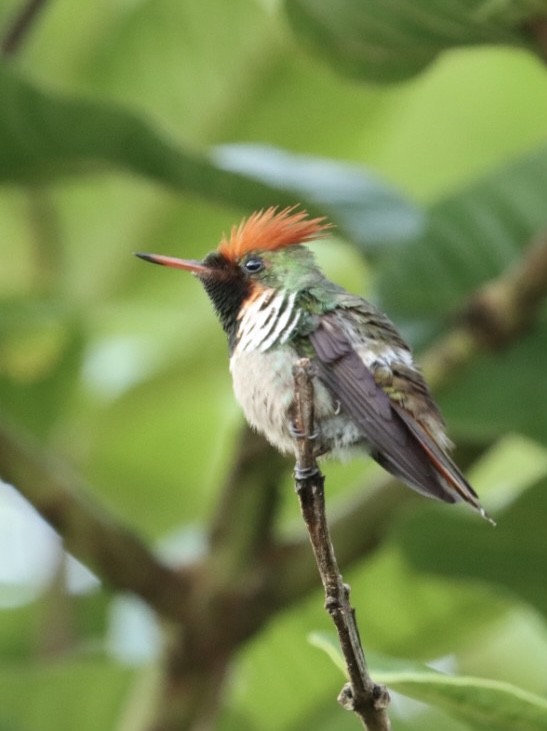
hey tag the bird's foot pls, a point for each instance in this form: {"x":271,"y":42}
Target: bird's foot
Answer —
{"x":297,"y":433}
{"x":305,"y":473}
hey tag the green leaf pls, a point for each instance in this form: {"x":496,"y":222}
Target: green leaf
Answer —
{"x":45,"y":135}
{"x":511,"y":555}
{"x":386,"y":42}
{"x":91,"y":698}
{"x":41,"y":348}
{"x":328,"y":642}
{"x":507,"y":391}
{"x":485,"y":703}
{"x":472,"y":236}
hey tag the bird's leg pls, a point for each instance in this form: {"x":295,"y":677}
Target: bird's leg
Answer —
{"x":303,"y":473}
{"x":297,"y":433}
{"x":300,"y":434}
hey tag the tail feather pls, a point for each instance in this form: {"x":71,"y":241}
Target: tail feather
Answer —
{"x":451,"y":477}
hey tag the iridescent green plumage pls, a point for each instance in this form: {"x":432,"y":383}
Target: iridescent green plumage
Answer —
{"x":276,"y":306}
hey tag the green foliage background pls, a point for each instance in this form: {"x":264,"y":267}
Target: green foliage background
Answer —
{"x":154,"y":125}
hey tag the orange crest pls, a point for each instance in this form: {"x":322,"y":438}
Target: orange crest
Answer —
{"x":270,"y":229}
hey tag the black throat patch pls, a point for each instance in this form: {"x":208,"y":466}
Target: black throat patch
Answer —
{"x":227,"y":288}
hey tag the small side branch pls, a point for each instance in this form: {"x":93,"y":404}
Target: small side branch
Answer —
{"x":20,"y":27}
{"x":361,"y":695}
{"x":92,"y":534}
{"x":494,"y":317}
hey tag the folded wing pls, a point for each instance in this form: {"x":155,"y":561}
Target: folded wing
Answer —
{"x":397,"y":441}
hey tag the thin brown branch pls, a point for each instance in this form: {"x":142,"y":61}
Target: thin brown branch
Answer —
{"x":20,"y":26}
{"x":358,"y":526}
{"x":242,"y":526}
{"x":537,"y":29}
{"x":89,"y":532}
{"x":494,"y":316}
{"x":231,"y":590}
{"x":365,"y":698}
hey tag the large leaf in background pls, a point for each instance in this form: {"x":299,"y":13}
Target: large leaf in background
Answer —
{"x":511,"y":555}
{"x":472,"y":236}
{"x":91,"y":696}
{"x":167,"y":58}
{"x":370,"y":211}
{"x":379,"y":41}
{"x":48,"y":135}
{"x":41,"y":350}
{"x":44,"y":135}
{"x":504,"y":391}
{"x":487,"y":704}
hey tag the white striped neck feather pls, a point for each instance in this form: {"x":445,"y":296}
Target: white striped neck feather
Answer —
{"x":267,"y":318}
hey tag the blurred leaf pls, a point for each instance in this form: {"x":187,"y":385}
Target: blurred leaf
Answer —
{"x":328,"y":642}
{"x":513,"y":464}
{"x":472,"y":236}
{"x":370,"y":211}
{"x":41,"y":347}
{"x":386,"y":42}
{"x":184,"y":44}
{"x":507,"y":389}
{"x":101,"y":135}
{"x":44,"y":135}
{"x":62,"y":697}
{"x":485,"y":703}
{"x":172,"y":435}
{"x":417,"y":615}
{"x":22,"y":628}
{"x":511,"y":555}
{"x":513,"y":649}
{"x":262,"y":674}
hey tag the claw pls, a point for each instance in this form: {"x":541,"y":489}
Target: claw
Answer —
{"x":297,"y":433}
{"x":304,"y":473}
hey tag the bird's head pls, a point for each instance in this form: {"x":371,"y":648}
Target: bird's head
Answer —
{"x":263,"y":252}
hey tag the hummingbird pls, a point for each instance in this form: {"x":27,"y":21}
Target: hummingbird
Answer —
{"x":276,"y":306}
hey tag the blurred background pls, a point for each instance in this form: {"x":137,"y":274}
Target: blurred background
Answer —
{"x":420,"y":129}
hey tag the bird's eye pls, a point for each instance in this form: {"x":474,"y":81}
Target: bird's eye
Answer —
{"x":253,"y":264}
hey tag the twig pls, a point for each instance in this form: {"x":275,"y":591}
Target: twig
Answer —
{"x":536,"y":27}
{"x":90,"y":532}
{"x":494,"y":317}
{"x":358,"y":526}
{"x":361,"y":695}
{"x":242,"y":528}
{"x":20,"y":27}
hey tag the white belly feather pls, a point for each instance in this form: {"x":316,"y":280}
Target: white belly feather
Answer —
{"x":264,"y":386}
{"x":261,"y":366}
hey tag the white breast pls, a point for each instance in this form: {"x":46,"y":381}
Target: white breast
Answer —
{"x":264,"y":386}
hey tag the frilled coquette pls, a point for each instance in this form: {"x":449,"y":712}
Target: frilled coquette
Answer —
{"x":276,"y":306}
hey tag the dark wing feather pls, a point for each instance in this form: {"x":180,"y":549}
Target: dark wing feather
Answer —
{"x":447,"y":470}
{"x":397,"y":442}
